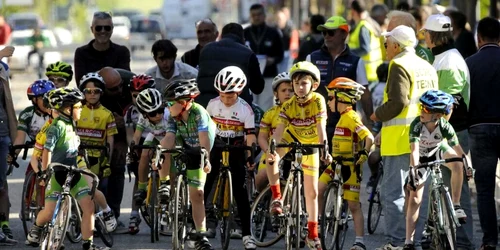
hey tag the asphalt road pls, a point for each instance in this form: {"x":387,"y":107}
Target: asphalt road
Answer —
{"x":140,"y":62}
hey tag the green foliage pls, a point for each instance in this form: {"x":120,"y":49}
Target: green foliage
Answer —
{"x":79,"y":17}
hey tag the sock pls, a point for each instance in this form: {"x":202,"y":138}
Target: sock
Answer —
{"x":134,"y":213}
{"x":107,"y":209}
{"x":359,"y":239}
{"x":276,"y":190}
{"x":408,"y":241}
{"x":457,"y":206}
{"x":312,"y":227}
{"x":4,"y":223}
{"x":142,"y":185}
{"x":164,"y":179}
{"x":202,"y":229}
{"x":87,"y":243}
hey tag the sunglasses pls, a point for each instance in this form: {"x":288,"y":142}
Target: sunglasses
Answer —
{"x":57,"y":79}
{"x":328,"y":32}
{"x":426,"y":109}
{"x":92,"y":91}
{"x":170,"y":103}
{"x":155,"y":113}
{"x":106,"y":28}
{"x":330,"y":98}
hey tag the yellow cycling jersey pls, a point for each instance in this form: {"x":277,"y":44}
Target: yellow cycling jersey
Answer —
{"x":348,"y":133}
{"x":269,"y":121}
{"x":41,"y":137}
{"x":94,"y":126}
{"x":301,"y":118}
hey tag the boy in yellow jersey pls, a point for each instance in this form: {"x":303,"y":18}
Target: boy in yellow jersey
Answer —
{"x":347,"y":142}
{"x":304,"y":117}
{"x":283,"y":91}
{"x":97,"y":128}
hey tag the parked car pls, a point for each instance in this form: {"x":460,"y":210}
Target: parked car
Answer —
{"x":146,"y":29}
{"x":20,"y":40}
{"x":121,"y":30}
{"x":129,"y":13}
{"x":24,"y":21}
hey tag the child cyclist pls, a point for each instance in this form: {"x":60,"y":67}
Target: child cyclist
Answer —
{"x":283,"y":91}
{"x":350,"y":133}
{"x":301,"y":119}
{"x":61,"y":146}
{"x":60,"y":73}
{"x":194,"y":127}
{"x":427,"y":143}
{"x":235,"y":122}
{"x":137,"y":84}
{"x":97,"y":128}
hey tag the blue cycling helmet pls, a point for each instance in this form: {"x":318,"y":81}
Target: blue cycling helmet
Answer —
{"x":437,"y":101}
{"x":40,"y":87}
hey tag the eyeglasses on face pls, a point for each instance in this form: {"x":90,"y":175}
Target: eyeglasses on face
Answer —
{"x":106,"y":28}
{"x":57,"y":79}
{"x":92,"y":91}
{"x":328,"y":32}
{"x":155,"y":113}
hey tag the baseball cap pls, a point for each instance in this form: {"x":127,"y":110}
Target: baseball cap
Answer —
{"x":334,"y":22}
{"x":404,"y":35}
{"x":438,"y":23}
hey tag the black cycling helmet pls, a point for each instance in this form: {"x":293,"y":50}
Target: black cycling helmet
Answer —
{"x":181,"y":89}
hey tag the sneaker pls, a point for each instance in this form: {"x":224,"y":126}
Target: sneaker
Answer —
{"x":109,"y":220}
{"x":139,"y":196}
{"x":211,"y":232}
{"x":409,"y":247}
{"x":164,"y":190}
{"x":249,"y":243}
{"x":236,"y":234}
{"x":460,"y":213}
{"x":389,"y":246}
{"x":94,"y":247}
{"x":314,"y":244}
{"x":276,"y":207}
{"x":6,"y":230}
{"x":133,"y":225}
{"x":358,"y":246}
{"x":487,"y":247}
{"x":203,"y":244}
{"x":33,"y":237}
{"x":5,"y":241}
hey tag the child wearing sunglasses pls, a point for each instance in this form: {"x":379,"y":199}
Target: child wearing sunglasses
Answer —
{"x":97,"y":127}
{"x":431,"y":138}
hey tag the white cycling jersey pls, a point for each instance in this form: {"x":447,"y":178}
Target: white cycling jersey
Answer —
{"x":154,"y":131}
{"x":232,"y":122}
{"x":132,"y":118}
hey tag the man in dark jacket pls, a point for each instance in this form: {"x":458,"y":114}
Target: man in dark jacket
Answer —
{"x":229,"y":51}
{"x":312,"y":41}
{"x":206,"y":32}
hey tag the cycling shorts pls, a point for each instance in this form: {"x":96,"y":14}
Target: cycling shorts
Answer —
{"x":79,"y":186}
{"x":352,"y":186}
{"x":310,"y":160}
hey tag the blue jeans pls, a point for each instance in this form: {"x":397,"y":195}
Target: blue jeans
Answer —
{"x":485,"y":152}
{"x":4,"y":191}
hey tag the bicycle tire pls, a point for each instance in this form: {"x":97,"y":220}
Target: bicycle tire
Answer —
{"x":287,"y":205}
{"x":328,"y":219}
{"x":448,"y":238}
{"x":102,"y":232}
{"x":374,"y":206}
{"x":297,"y":205}
{"x":74,"y":232}
{"x":59,"y":230}
{"x":27,"y":215}
{"x":227,"y":210}
{"x":343,"y":224}
{"x":152,"y":208}
{"x":250,"y":185}
{"x":179,"y":232}
{"x":260,"y":218}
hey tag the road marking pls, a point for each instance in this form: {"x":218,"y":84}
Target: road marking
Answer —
{"x":15,"y":181}
{"x":122,"y":211}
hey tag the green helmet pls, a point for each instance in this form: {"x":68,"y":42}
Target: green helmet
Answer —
{"x":60,"y":69}
{"x":64,"y":97}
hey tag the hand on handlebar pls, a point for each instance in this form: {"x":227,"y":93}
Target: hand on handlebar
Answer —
{"x":250,"y":163}
{"x":362,"y":157}
{"x":327,"y":158}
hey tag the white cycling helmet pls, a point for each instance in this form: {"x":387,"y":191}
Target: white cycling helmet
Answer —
{"x":149,"y":100}
{"x":93,"y":76}
{"x":281,"y":77}
{"x":230,"y":79}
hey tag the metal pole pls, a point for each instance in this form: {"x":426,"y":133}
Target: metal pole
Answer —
{"x":296,"y":12}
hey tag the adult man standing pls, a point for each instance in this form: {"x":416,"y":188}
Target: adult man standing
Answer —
{"x":312,"y":41}
{"x":100,"y":52}
{"x":335,"y":59}
{"x":453,"y":77}
{"x":484,"y":122}
{"x":364,"y":39}
{"x":167,"y":69}
{"x":409,"y":77}
{"x":230,"y":50}
{"x":266,"y":42}
{"x":206,"y":32}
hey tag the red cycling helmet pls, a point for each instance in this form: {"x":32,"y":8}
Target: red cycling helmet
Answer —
{"x":141,"y":82}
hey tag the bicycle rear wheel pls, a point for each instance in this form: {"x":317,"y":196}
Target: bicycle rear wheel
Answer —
{"x":343,"y":224}
{"x":181,"y":209}
{"x":448,"y":235}
{"x":102,"y":232}
{"x":260,"y":219}
{"x":58,"y":232}
{"x":374,"y":207}
{"x":287,"y":222}
{"x":226,"y":203}
{"x":28,"y":214}
{"x":297,"y":210}
{"x":328,"y":220}
{"x":152,"y":208}
{"x":74,"y":232}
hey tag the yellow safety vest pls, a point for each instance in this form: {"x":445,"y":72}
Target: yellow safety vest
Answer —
{"x":395,"y":132}
{"x":374,"y":56}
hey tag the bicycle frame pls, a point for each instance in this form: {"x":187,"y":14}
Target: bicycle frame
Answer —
{"x":434,"y":191}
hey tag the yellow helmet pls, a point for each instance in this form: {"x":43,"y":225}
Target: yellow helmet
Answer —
{"x":305,"y":67}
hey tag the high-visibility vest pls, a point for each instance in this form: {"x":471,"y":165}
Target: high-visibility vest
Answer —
{"x":374,"y":56}
{"x":395,"y":132}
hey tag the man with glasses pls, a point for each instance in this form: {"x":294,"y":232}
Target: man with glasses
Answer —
{"x":100,"y":52}
{"x":335,"y":59}
{"x":206,"y":32}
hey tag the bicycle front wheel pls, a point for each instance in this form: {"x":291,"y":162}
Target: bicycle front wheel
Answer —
{"x":343,"y":223}
{"x":297,"y":211}
{"x":74,"y":232}
{"x":58,"y":232}
{"x":260,"y":219}
{"x":28,"y":212}
{"x":181,"y":209}
{"x":153,"y":208}
{"x":226,"y":203}
{"x":374,"y":207}
{"x":328,"y":222}
{"x":448,"y":237}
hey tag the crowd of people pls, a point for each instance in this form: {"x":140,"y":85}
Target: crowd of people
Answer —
{"x":425,"y":87}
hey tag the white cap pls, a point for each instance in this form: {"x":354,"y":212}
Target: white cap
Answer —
{"x":404,"y":35}
{"x":438,"y":23}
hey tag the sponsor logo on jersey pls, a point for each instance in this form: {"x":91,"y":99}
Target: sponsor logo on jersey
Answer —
{"x":308,"y":121}
{"x":342,"y":131}
{"x":93,"y":133}
{"x":319,"y":62}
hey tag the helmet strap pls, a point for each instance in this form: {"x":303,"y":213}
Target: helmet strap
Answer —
{"x":432,"y":120}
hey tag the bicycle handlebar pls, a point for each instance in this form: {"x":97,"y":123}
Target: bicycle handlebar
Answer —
{"x":73,"y":169}
{"x":438,"y":162}
{"x":295,"y":145}
{"x":12,"y":152}
{"x":226,"y":147}
{"x":342,"y":158}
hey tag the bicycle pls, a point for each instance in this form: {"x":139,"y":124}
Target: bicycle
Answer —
{"x":442,"y":220}
{"x":374,"y":206}
{"x":223,"y":194}
{"x":152,"y":209}
{"x":292,"y":223}
{"x":33,"y":194}
{"x":54,"y":232}
{"x":336,"y":214}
